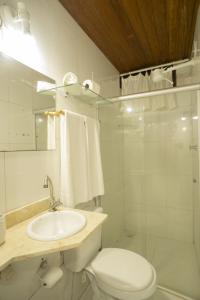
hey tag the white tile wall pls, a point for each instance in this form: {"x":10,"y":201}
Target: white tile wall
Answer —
{"x":17,"y":125}
{"x":196,"y":157}
{"x":158,"y":172}
{"x":111,"y":149}
{"x":148,"y":154}
{"x":24,"y":175}
{"x":2,"y":184}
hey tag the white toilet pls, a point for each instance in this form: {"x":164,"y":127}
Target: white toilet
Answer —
{"x":121,"y":274}
{"x":114,"y":273}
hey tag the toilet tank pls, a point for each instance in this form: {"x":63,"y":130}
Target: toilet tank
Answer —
{"x":77,"y":259}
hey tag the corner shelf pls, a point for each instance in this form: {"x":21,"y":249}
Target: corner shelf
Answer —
{"x":80,"y":92}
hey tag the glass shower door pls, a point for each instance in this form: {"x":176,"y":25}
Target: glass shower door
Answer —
{"x":150,"y":157}
{"x":160,"y":156}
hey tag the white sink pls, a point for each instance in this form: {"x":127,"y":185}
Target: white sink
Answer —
{"x":56,"y":225}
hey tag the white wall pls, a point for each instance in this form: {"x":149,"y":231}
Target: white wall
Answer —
{"x":62,"y":47}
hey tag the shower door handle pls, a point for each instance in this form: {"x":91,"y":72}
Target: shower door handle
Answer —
{"x":193,"y":147}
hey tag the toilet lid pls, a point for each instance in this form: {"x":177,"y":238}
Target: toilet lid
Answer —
{"x":122,"y":269}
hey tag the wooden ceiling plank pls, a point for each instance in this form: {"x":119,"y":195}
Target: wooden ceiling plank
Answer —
{"x":129,"y":33}
{"x":138,"y":33}
{"x":193,"y":19}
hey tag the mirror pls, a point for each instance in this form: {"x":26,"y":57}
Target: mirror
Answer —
{"x":25,"y":124}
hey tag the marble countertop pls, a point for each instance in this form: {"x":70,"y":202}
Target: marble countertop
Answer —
{"x":19,"y":246}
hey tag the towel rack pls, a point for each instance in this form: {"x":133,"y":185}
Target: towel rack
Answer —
{"x":54,"y":113}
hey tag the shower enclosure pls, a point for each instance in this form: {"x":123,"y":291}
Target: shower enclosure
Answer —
{"x":150,"y":157}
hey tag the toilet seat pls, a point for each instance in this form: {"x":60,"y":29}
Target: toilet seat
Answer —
{"x":123,"y":274}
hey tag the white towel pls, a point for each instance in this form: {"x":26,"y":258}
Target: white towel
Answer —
{"x":171,"y":99}
{"x":158,"y":102}
{"x":51,"y":132}
{"x":146,"y":104}
{"x":81,"y":171}
{"x":95,"y":173}
{"x":74,"y":170}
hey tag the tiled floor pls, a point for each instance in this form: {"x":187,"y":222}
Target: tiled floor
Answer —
{"x":174,"y":261}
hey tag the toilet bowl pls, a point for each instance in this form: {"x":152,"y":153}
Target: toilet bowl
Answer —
{"x":114,"y":273}
{"x":121,"y":274}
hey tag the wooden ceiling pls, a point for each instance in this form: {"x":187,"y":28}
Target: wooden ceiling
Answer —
{"x":134,"y":34}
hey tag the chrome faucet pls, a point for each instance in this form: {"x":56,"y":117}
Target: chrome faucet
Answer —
{"x":53,"y":204}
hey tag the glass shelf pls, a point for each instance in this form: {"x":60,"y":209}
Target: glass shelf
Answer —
{"x":79,"y":92}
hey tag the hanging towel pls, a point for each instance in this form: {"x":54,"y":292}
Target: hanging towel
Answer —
{"x":81,"y":170}
{"x":146,"y":100}
{"x":95,"y":173}
{"x":136,"y":84}
{"x":171,"y":99}
{"x":51,"y":133}
{"x":74,"y":166}
{"x":158,"y":102}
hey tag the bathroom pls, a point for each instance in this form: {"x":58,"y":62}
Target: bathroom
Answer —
{"x":148,"y":125}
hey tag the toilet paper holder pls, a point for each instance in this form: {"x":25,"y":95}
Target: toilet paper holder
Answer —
{"x":48,"y":275}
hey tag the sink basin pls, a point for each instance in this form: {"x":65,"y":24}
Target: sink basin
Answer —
{"x":56,"y":225}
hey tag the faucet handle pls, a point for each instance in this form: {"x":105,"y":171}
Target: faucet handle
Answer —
{"x":59,"y":202}
{"x":55,"y":204}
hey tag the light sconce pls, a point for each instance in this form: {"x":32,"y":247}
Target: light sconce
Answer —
{"x":16,"y":39}
{"x":15,"y":19}
{"x":23,"y":18}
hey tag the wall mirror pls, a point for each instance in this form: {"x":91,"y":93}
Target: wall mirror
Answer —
{"x":26,"y":119}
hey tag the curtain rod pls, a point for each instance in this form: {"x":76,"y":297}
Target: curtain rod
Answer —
{"x":179,"y":89}
{"x":155,"y":67}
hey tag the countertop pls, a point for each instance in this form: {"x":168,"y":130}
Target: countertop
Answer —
{"x":19,"y":246}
